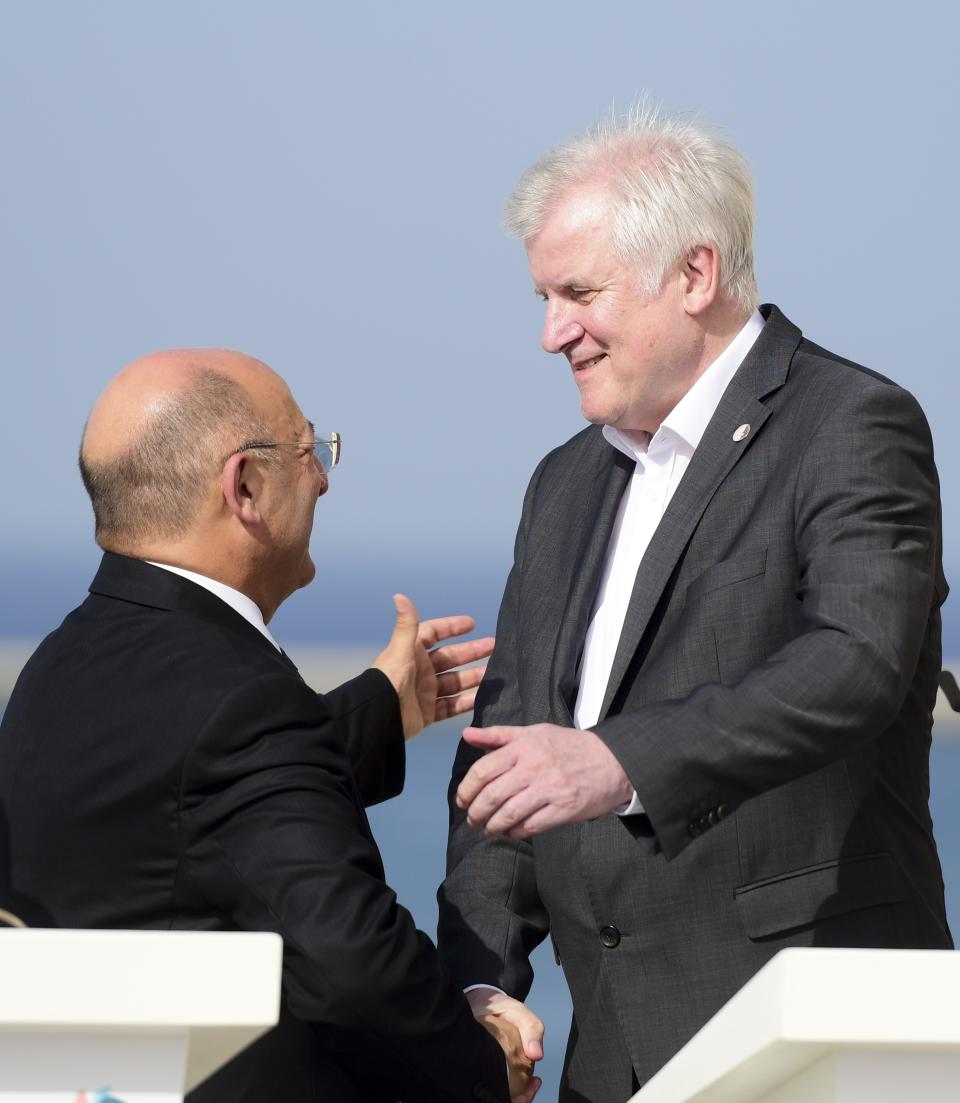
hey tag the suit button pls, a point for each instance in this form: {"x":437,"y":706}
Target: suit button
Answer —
{"x":694,"y":830}
{"x":722,"y":810}
{"x":610,"y":936}
{"x":713,"y":817}
{"x":704,"y":822}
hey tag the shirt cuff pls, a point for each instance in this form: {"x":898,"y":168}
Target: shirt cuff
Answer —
{"x":632,"y":808}
{"x":491,"y":987}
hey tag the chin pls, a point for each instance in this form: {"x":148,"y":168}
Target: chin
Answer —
{"x":307,"y":573}
{"x":595,"y":409}
{"x":595,"y":414}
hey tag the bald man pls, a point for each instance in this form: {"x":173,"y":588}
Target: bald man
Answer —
{"x":163,"y":765}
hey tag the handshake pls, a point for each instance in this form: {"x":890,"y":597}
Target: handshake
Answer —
{"x":519,"y":1033}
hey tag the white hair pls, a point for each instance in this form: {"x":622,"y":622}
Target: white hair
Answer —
{"x":673,"y":185}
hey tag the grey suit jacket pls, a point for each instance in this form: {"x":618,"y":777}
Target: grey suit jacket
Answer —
{"x":770,"y":700}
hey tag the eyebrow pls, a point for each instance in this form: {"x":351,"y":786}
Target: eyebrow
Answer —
{"x":565,"y":285}
{"x":312,"y":428}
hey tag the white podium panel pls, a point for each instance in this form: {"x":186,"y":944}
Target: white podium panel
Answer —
{"x":827,"y":1026}
{"x":135,"y":1016}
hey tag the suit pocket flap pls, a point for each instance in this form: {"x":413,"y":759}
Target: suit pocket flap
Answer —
{"x":817,"y":892}
{"x":726,"y":573}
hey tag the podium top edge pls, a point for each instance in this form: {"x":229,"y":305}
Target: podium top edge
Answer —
{"x":111,"y":977}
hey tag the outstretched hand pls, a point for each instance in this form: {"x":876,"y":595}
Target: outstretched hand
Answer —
{"x":427,"y":682}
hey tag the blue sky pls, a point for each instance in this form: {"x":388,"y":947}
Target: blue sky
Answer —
{"x":321,"y":185}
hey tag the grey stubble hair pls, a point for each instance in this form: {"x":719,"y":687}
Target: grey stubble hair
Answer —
{"x":154,"y":487}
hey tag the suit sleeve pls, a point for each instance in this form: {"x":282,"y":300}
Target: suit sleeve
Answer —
{"x":866,"y":517}
{"x":366,"y":712}
{"x":275,"y":837}
{"x":491,"y":916}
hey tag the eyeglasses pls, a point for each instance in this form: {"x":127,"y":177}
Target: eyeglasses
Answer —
{"x":327,"y":452}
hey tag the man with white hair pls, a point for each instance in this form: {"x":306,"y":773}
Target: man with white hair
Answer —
{"x":707,"y":716}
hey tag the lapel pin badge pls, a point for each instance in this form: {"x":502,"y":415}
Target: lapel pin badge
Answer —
{"x":741,"y":432}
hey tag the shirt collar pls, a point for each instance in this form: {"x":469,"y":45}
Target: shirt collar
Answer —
{"x":688,"y":420}
{"x":240,"y":603}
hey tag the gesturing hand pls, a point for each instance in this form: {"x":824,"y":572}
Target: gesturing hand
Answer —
{"x":520,"y":1034}
{"x":426,"y":682}
{"x":539,"y":777}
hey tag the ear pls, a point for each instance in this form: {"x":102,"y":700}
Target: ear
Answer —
{"x":700,"y":279}
{"x":241,"y":481}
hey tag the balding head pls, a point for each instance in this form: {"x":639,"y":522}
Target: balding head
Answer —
{"x":157,"y":438}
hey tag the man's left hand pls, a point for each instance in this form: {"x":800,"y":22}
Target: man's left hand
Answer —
{"x":427,"y":683}
{"x":539,"y":777}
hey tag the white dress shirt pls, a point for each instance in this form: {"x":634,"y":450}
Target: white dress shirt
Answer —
{"x":240,"y":603}
{"x":660,"y":464}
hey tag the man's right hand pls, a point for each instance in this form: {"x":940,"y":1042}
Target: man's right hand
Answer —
{"x":519,"y":1033}
{"x":427,"y":682}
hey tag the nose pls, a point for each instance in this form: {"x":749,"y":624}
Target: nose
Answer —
{"x":559,"y":328}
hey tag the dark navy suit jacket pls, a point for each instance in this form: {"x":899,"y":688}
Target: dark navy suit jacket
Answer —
{"x":163,"y":766}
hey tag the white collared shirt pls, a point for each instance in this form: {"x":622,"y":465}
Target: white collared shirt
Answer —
{"x":240,"y":603}
{"x":660,"y":465}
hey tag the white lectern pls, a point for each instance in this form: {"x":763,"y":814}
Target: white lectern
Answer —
{"x":844,"y":1026}
{"x":137,"y":1016}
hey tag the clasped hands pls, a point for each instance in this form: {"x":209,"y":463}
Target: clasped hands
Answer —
{"x":519,"y":1033}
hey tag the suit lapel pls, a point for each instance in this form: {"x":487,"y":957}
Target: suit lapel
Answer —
{"x":583,"y":572}
{"x":763,"y":371}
